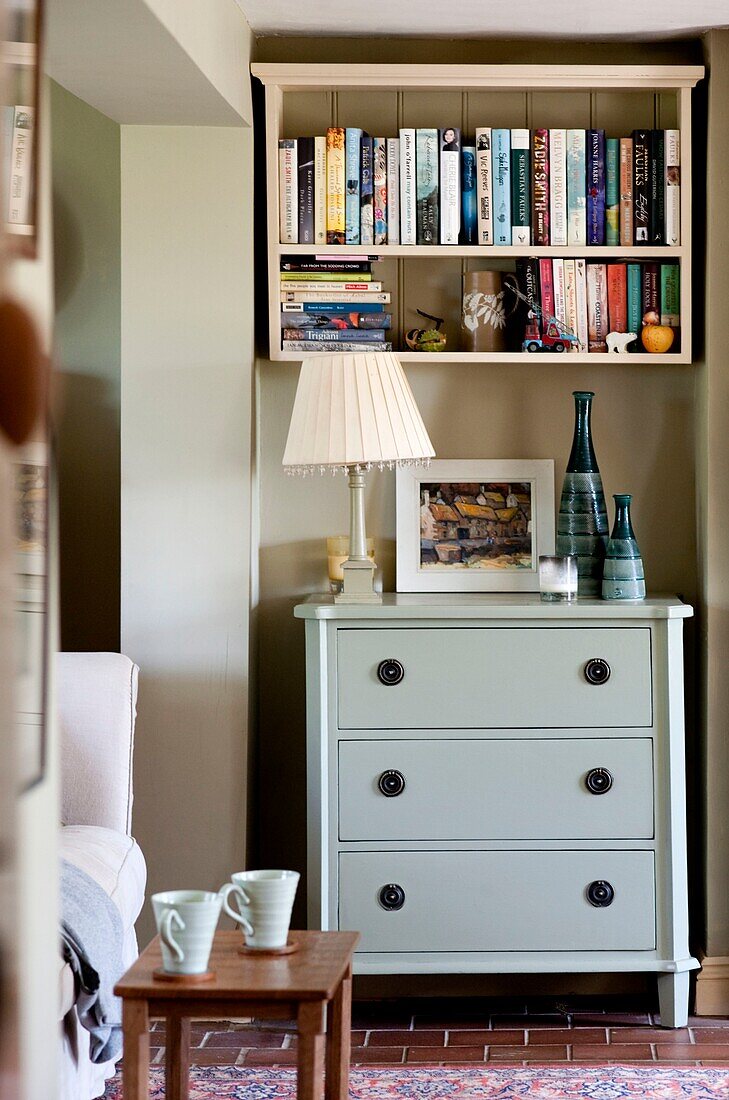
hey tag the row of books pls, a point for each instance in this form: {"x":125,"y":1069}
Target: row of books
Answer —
{"x":590,"y":300}
{"x":333,"y":304}
{"x":16,"y":140}
{"x":510,"y":187}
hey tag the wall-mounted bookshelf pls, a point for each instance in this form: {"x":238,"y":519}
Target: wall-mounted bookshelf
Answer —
{"x":307,"y":99}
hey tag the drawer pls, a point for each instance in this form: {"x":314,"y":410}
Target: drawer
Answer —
{"x":498,"y":901}
{"x":496,"y":790}
{"x":488,"y":677}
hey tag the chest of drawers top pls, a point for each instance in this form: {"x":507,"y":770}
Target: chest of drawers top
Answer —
{"x":434,"y":606}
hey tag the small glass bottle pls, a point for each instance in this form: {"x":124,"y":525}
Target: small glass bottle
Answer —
{"x":623,"y":575}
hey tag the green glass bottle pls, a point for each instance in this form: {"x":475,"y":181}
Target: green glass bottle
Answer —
{"x":623,"y":575}
{"x":582,"y":524}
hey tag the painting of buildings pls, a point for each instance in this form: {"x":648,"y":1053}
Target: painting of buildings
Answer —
{"x":476,"y":526}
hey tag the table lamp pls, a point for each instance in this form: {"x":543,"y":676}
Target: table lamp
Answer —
{"x":352,"y":412}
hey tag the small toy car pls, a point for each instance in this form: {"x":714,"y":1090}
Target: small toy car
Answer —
{"x":553,"y":338}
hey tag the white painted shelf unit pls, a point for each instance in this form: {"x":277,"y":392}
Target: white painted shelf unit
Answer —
{"x":306,"y":99}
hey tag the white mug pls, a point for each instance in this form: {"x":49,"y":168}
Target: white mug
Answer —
{"x":186,"y":922}
{"x":266,"y":899}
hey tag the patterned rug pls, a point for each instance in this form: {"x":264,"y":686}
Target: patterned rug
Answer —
{"x":654,"y":1082}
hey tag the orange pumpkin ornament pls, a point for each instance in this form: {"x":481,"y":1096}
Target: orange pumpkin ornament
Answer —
{"x":657,"y":338}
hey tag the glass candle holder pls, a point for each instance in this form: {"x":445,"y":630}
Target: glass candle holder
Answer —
{"x":558,"y":578}
{"x":337,"y":553}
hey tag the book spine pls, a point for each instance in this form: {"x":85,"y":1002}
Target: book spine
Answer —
{"x":368,"y":308}
{"x":617,"y":279}
{"x":469,"y":226}
{"x":540,"y":187}
{"x":546,"y":293}
{"x":426,"y":171}
{"x":581,"y":303}
{"x":7,"y":117}
{"x":408,"y":222}
{"x":597,"y":307}
{"x":379,"y":153}
{"x":634,"y":299}
{"x":558,"y":187}
{"x":527,"y":307}
{"x":650,"y":293}
{"x":393,"y":190}
{"x":305,"y":160}
{"x":641,"y":186}
{"x":288,"y":184}
{"x":352,"y":155}
{"x":483,"y":186}
{"x":570,"y":298}
{"x":348,"y":345}
{"x":367,"y":207}
{"x":672,"y":198}
{"x":626,"y":193}
{"x":336,"y":226}
{"x":612,"y":191}
{"x":596,"y":187}
{"x":320,"y":190}
{"x":449,"y":142}
{"x":501,"y":175}
{"x":576,"y":183}
{"x":338,"y":322}
{"x":330,"y":287}
{"x":520,"y":189}
{"x":334,"y":336}
{"x":560,"y":297}
{"x":321,"y":267}
{"x":670,"y":295}
{"x":352,"y":299}
{"x":326,"y":277}
{"x":658,"y":187}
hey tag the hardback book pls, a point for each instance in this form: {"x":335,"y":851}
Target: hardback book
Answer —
{"x":501,"y":182}
{"x":657,"y":232}
{"x":540,"y":187}
{"x":626,"y":193}
{"x":408,"y":221}
{"x":595,"y":155}
{"x":617,"y":281}
{"x":336,"y":226}
{"x":483,"y":186}
{"x":597,"y":307}
{"x":317,"y":346}
{"x":379,"y":154}
{"x":634,"y":313}
{"x":612,"y":191}
{"x":576,"y":188}
{"x":334,"y":336}
{"x":670,"y":295}
{"x":570,"y":298}
{"x":426,"y":162}
{"x":546,"y":293}
{"x":641,"y":186}
{"x":672,"y":198}
{"x":7,"y":117}
{"x":449,"y":143}
{"x":469,"y":227}
{"x":529,"y":305}
{"x":288,"y":191}
{"x":341,"y":322}
{"x":520,"y":188}
{"x":581,"y":304}
{"x":344,"y":307}
{"x":327,"y":276}
{"x":366,"y":184}
{"x":558,"y":186}
{"x":560,"y":296}
{"x":650,"y":293}
{"x":347,"y":299}
{"x":320,"y":190}
{"x":353,"y":172}
{"x":393,"y":190}
{"x":305,"y":263}
{"x":330,"y":288}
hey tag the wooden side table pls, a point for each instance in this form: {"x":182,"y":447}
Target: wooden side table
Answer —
{"x":313,"y":986}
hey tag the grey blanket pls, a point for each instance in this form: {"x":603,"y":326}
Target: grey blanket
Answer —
{"x":92,"y":935}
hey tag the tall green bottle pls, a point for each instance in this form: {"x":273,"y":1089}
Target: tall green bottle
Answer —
{"x":582,"y":524}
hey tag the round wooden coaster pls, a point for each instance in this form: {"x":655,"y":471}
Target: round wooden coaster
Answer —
{"x":288,"y":949}
{"x":191,"y":979}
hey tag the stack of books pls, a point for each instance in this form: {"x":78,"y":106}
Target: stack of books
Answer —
{"x":17,"y":167}
{"x":332,"y":303}
{"x":506,"y":187}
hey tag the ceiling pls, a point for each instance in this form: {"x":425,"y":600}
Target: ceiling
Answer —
{"x":488,"y":18}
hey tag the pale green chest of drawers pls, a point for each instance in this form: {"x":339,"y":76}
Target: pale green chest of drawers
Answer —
{"x":497,"y":785}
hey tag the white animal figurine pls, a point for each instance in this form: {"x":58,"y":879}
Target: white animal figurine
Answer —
{"x":618,"y":341}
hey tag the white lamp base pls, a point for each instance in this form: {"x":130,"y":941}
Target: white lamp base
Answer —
{"x":359,"y":583}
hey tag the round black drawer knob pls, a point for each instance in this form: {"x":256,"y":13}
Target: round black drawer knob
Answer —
{"x":390,"y":671}
{"x":600,"y":893}
{"x":597,"y":671}
{"x":391,"y":783}
{"x":598,"y":780}
{"x":392,"y":897}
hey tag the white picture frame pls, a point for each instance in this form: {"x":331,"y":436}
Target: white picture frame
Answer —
{"x":412,"y":483}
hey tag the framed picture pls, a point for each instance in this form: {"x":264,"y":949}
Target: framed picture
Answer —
{"x":474,"y":525}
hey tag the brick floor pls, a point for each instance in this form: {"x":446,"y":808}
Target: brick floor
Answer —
{"x":469,"y":1030}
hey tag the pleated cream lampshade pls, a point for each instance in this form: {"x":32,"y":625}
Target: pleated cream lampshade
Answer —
{"x":354,"y":410}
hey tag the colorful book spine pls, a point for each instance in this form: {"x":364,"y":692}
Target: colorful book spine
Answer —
{"x":288,"y":190}
{"x":595,"y":187}
{"x":483,"y":186}
{"x":336,"y":225}
{"x":426,"y":162}
{"x":305,"y":263}
{"x":540,"y":187}
{"x":520,"y":188}
{"x":501,"y":175}
{"x":366,"y":189}
{"x":558,"y":187}
{"x":641,"y":186}
{"x":617,"y":280}
{"x":320,"y":190}
{"x":657,"y":233}
{"x":469,"y":219}
{"x":650,"y":293}
{"x":319,"y":298}
{"x":570,"y":297}
{"x":672,"y":197}
{"x":339,"y":322}
{"x":597,"y":307}
{"x":334,"y":336}
{"x":334,"y":307}
{"x":305,"y":162}
{"x":529,"y":305}
{"x":353,"y":172}
{"x":393,"y":190}
{"x":576,"y":184}
{"x":449,"y":141}
{"x":581,"y":301}
{"x":670,"y":295}
{"x":408,"y":221}
{"x":612,"y":191}
{"x":318,"y":346}
{"x":626,"y":193}
{"x":635,"y":312}
{"x":546,"y":293}
{"x":379,"y":153}
{"x":560,"y":296}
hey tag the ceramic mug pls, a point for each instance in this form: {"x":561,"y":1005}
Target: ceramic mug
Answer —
{"x":266,"y":899}
{"x":186,"y":922}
